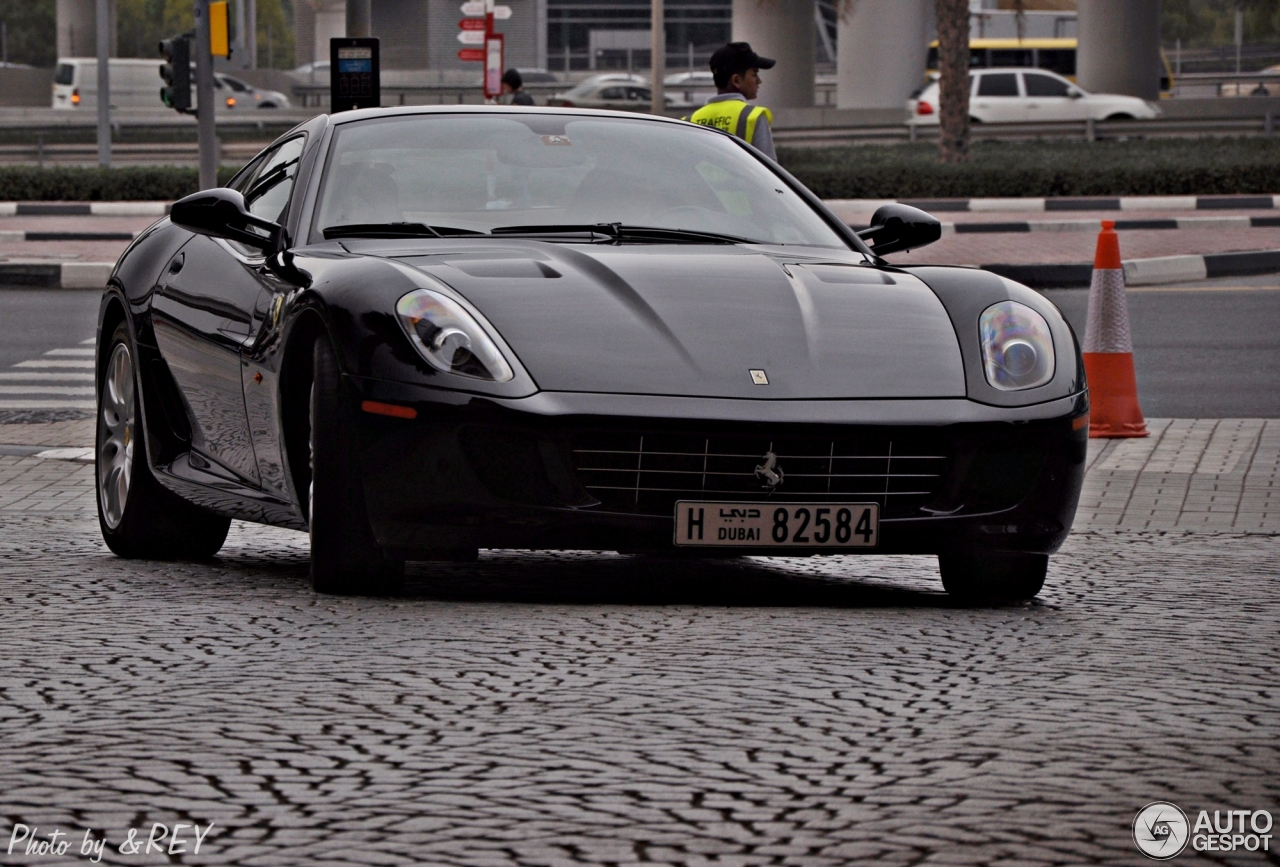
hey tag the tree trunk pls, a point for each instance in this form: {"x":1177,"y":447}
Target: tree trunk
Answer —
{"x":953,"y":84}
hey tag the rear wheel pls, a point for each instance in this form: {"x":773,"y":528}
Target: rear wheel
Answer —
{"x":345,"y":557}
{"x":137,"y":515}
{"x":993,"y":577}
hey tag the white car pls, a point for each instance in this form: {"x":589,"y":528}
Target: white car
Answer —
{"x":1030,"y":95}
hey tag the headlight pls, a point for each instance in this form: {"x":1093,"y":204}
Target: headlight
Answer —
{"x":1017,"y":348}
{"x":449,"y":337}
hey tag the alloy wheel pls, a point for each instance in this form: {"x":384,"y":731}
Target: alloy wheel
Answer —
{"x":116,"y":435}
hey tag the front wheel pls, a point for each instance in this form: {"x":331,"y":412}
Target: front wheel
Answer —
{"x":993,"y":577}
{"x":138,"y":516}
{"x":345,"y":557}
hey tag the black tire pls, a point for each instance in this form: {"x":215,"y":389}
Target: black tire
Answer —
{"x":993,"y":577}
{"x":1119,"y":116}
{"x":345,"y":557}
{"x":138,"y":516}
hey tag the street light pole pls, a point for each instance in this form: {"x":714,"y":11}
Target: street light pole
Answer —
{"x":205,"y":107}
{"x":658,"y":63}
{"x":104,"y":83}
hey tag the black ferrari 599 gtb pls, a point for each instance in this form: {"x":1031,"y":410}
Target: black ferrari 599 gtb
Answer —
{"x":418,"y":332}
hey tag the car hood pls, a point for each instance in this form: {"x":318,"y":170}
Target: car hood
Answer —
{"x":696,"y":320}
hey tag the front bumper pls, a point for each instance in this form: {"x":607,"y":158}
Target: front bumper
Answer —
{"x":562,"y":471}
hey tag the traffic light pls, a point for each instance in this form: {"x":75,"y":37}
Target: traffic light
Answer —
{"x":176,"y":72}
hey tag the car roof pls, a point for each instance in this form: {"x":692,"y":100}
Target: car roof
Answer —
{"x":991,"y":69}
{"x":357,"y":115}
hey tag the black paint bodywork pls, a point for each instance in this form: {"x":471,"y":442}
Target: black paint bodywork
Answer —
{"x":609,"y":343}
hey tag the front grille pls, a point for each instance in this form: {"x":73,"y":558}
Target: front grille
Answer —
{"x":646,"y":473}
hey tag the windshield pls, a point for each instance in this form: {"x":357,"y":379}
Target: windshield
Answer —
{"x":478,"y":173}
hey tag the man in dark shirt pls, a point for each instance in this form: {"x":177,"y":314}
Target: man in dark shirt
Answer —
{"x":513,"y":85}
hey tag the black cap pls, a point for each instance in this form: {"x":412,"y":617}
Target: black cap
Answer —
{"x":511,"y":78}
{"x":736,"y":58}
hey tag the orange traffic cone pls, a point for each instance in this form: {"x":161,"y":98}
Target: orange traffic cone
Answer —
{"x":1108,"y":347}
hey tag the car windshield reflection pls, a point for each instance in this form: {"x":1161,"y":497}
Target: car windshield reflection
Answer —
{"x":481,"y":173}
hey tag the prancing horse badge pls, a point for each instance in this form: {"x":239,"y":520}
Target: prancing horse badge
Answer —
{"x":759,"y":377}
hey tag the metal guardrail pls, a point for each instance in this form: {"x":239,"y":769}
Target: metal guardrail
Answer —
{"x":1082,"y":130}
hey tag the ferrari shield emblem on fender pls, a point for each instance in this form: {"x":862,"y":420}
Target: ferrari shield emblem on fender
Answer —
{"x":759,"y":377}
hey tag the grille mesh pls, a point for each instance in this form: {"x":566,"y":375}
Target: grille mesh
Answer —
{"x":646,"y":473}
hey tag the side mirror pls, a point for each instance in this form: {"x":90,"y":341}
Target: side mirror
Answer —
{"x":1075,"y":94}
{"x":222,"y":213}
{"x":900,"y":227}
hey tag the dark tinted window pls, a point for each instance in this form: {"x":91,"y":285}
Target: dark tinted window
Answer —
{"x":998,"y":84}
{"x":1007,"y":57}
{"x":639,"y":93}
{"x":1059,"y":60}
{"x":65,"y":75}
{"x":1044,"y":85}
{"x":613,"y":93}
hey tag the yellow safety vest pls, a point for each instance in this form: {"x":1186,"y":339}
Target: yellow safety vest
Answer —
{"x":731,"y":115}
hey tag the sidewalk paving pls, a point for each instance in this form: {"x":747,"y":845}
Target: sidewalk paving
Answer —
{"x":1190,"y":475}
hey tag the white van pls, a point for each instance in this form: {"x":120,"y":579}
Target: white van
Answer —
{"x":134,"y":83}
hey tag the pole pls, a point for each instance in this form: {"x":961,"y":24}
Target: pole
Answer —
{"x":1239,"y":37}
{"x":658,"y":53}
{"x":239,"y":52}
{"x":251,"y":36}
{"x":104,"y":82}
{"x":358,"y":15}
{"x":205,"y":105}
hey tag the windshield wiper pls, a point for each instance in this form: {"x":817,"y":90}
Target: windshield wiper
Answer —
{"x":393,"y":230}
{"x":620,"y":232}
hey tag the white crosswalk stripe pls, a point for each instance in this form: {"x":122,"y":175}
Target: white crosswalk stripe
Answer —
{"x":87,"y":364}
{"x":61,"y":378}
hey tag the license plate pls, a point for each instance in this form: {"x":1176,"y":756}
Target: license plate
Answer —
{"x":794,"y":525}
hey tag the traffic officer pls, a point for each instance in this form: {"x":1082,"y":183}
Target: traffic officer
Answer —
{"x":736,"y":69}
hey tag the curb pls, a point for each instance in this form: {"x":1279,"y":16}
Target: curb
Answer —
{"x":55,"y":275}
{"x":12,"y":236}
{"x":1146,"y":272}
{"x":1074,"y":203}
{"x":1024,"y":226}
{"x":80,"y":209}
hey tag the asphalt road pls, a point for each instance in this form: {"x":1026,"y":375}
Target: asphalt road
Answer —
{"x":1201,"y":350}
{"x":1209,"y":350}
{"x":33,"y":321}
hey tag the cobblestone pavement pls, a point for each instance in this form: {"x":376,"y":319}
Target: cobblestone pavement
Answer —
{"x":599,"y":709}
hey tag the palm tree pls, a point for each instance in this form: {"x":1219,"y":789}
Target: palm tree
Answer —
{"x":953,"y":82}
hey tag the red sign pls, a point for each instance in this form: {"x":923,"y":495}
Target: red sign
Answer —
{"x":471,"y":24}
{"x":471,"y":54}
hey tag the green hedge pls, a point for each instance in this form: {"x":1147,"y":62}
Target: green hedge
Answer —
{"x":1204,"y":166}
{"x":129,"y":183}
{"x":1233,"y":166}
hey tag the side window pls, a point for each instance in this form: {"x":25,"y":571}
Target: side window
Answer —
{"x":268,"y":194}
{"x":998,"y":84}
{"x":240,"y":183}
{"x":613,"y":93}
{"x":1043,"y":85}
